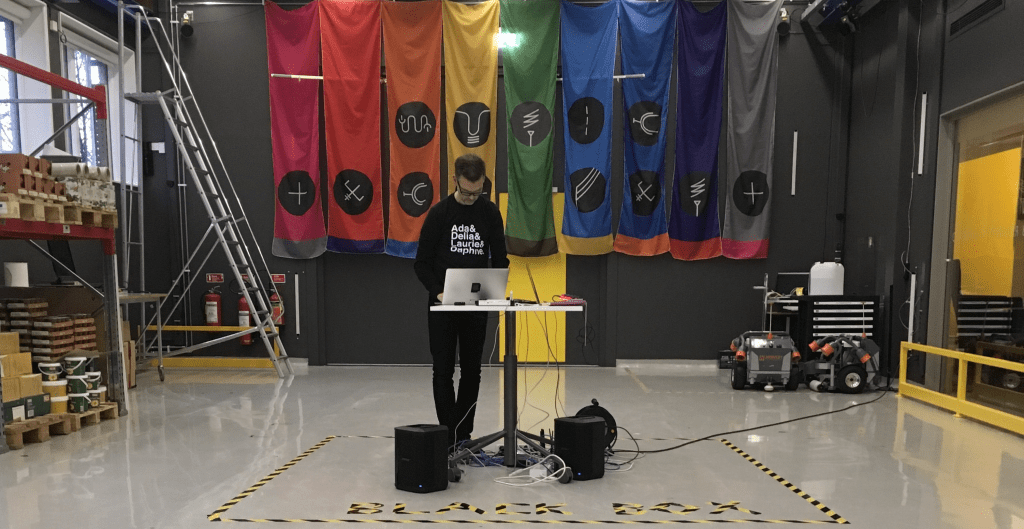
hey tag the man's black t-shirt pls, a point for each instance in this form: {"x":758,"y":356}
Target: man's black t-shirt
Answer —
{"x":455,"y":235}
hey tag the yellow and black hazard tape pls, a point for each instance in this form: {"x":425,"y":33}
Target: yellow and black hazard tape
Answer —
{"x":524,"y":521}
{"x":216,"y":515}
{"x":796,"y":490}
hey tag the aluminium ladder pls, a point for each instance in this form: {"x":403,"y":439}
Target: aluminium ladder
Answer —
{"x":226,"y":214}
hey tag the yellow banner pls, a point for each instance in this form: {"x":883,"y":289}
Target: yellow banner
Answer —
{"x":471,"y":81}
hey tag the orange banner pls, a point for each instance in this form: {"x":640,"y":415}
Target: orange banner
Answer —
{"x":412,"y":59}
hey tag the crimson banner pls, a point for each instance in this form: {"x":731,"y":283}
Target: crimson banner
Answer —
{"x":412,"y":59}
{"x":293,"y":47}
{"x":351,"y":62}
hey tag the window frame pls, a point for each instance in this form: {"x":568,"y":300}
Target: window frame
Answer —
{"x":86,"y":39}
{"x":32,"y":45}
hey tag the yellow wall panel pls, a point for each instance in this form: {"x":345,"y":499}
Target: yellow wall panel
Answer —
{"x":540,"y":337}
{"x":986,"y":222}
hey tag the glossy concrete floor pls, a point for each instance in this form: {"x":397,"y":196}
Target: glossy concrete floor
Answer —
{"x":317,"y":447}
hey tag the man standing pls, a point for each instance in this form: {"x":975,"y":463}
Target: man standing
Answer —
{"x":461,"y":231}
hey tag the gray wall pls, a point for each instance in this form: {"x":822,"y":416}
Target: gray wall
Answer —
{"x":854,"y":101}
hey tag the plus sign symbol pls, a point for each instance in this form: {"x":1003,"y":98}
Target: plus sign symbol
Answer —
{"x":750,"y":193}
{"x":296,"y":192}
{"x":353,"y":191}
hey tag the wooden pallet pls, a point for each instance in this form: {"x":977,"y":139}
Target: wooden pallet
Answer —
{"x":36,"y":430}
{"x":17,"y":206}
{"x":98,"y":218}
{"x":105,"y":412}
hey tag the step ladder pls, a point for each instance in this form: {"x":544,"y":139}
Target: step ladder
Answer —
{"x":224,"y":224}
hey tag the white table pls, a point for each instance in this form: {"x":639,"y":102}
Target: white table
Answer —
{"x":509,"y":432}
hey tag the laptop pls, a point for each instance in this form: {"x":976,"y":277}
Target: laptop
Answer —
{"x":466,"y":286}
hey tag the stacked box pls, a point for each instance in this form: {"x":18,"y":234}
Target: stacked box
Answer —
{"x":88,"y":186}
{"x":22,"y":314}
{"x":52,"y":337}
{"x":85,"y":332}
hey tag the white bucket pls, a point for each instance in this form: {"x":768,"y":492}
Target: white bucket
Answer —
{"x":78,"y":402}
{"x":58,"y":404}
{"x":51,"y":371}
{"x":75,"y":365}
{"x":93,"y":377}
{"x":94,"y":398}
{"x":103,"y":393}
{"x":58,"y":388}
{"x":78,"y":384}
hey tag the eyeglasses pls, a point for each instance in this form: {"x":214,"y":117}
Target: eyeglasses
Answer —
{"x":466,"y":193}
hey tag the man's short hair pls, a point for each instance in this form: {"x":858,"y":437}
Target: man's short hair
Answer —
{"x":470,"y":166}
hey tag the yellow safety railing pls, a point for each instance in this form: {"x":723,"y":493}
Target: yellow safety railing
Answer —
{"x":959,"y":404}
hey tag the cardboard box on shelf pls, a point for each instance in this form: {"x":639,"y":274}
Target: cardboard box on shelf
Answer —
{"x":11,"y":388}
{"x":37,"y":405}
{"x":22,"y":364}
{"x":9,"y":342}
{"x":6,"y":365}
{"x":30,"y":385}
{"x":14,"y":411}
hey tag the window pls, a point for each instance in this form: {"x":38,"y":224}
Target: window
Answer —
{"x":89,"y":135}
{"x":90,"y":58}
{"x":10,"y":129}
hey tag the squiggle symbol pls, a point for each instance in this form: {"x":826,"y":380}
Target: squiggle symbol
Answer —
{"x":531,"y":119}
{"x":473,"y":136}
{"x":643,"y":123}
{"x":585,"y":184}
{"x":410,"y":123}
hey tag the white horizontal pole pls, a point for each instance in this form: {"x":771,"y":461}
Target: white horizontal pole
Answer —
{"x":383,"y":80}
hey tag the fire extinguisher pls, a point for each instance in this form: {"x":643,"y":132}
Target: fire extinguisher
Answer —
{"x":277,"y":309}
{"x":211,"y":303}
{"x":244,"y":320}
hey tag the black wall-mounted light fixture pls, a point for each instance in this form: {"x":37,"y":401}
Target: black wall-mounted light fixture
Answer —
{"x":783,"y":25}
{"x":186,"y":28}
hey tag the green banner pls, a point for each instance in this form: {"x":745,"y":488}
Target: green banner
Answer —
{"x":529,"y":53}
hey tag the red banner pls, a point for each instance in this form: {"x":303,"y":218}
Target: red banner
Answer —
{"x":293,"y":47}
{"x":412,"y":59}
{"x":351,"y":61}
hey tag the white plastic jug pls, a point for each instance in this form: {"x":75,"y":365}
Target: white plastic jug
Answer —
{"x":826,"y":279}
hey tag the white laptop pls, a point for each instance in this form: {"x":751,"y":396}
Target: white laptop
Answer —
{"x":467,"y":286}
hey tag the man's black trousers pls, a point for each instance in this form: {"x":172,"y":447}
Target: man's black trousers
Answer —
{"x":465,"y":331}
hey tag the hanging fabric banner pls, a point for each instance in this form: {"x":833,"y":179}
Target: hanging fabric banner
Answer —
{"x":750,"y":134}
{"x":293,"y":47}
{"x":693,"y":228}
{"x":588,"y":64}
{"x":529,"y":60}
{"x":648,"y":32}
{"x":412,"y":59}
{"x":351,"y":58}
{"x":471,"y":82}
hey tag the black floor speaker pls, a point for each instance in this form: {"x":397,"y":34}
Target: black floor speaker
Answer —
{"x":579,"y":441}
{"x":421,"y":458}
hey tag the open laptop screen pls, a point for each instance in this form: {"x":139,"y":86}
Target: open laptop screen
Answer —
{"x":465,"y":286}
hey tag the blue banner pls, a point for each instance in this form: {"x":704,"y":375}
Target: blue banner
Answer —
{"x":588,"y":64}
{"x":648,"y":31}
{"x":693,"y":228}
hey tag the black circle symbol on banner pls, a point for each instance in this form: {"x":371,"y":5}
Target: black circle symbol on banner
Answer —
{"x":531,"y":123}
{"x":645,"y":122}
{"x":586,"y":120}
{"x":472,"y":124}
{"x":415,"y":124}
{"x":693,"y":192}
{"x":750,"y":193}
{"x":296,"y":192}
{"x":415,"y":193}
{"x":353,"y":191}
{"x":645,"y":192}
{"x":587,"y":188}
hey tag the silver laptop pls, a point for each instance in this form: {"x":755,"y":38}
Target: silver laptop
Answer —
{"x":466,"y":286}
